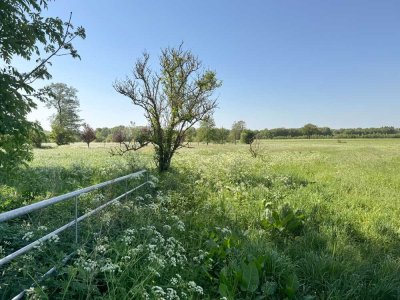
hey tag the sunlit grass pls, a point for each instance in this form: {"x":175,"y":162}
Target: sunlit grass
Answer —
{"x":347,"y":247}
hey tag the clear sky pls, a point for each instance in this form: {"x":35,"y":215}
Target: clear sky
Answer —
{"x":282,"y":63}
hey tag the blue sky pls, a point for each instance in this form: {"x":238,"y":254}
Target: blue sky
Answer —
{"x":282,"y":63}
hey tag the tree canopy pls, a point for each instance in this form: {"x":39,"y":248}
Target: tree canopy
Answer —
{"x":65,"y":122}
{"x":26,"y":34}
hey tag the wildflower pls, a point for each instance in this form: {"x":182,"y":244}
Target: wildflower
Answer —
{"x":88,"y":265}
{"x":158,"y":291}
{"x":173,"y":281}
{"x":180,"y":226}
{"x":81,"y":252}
{"x":195,"y":288}
{"x":42,"y":228}
{"x":139,"y":199}
{"x":152,"y":247}
{"x":167,"y":227}
{"x":175,"y":218}
{"x":100,"y":249}
{"x":28,"y":236}
{"x":156,"y":259}
{"x":172,"y":294}
{"x":154,"y":271}
{"x":110,"y":267}
{"x":54,"y":239}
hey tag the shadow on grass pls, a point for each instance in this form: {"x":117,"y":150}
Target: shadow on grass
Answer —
{"x":331,"y":259}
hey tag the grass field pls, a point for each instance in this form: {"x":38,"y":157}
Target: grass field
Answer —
{"x":306,"y":219}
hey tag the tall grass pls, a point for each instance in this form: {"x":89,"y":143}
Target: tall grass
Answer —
{"x":306,"y":219}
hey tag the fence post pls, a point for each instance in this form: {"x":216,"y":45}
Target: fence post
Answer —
{"x":76,"y":220}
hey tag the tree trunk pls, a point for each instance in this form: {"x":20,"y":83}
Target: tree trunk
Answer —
{"x":164,"y":160}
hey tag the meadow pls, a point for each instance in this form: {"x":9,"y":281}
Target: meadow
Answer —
{"x":305,"y":219}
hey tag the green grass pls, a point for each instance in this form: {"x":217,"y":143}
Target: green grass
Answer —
{"x":315,"y":219}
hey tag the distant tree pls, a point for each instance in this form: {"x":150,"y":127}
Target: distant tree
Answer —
{"x":173,"y":99}
{"x":88,"y":135}
{"x":221,"y":135}
{"x":325,"y":131}
{"x":102,"y":134}
{"x":247,"y":136}
{"x":206,"y":131}
{"x":236,"y":131}
{"x":119,"y":137}
{"x":65,"y":122}
{"x":190,"y":135}
{"x":310,"y":130}
{"x":25,"y":34}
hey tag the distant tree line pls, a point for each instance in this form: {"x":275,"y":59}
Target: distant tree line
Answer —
{"x":208,"y":132}
{"x":313,"y":131}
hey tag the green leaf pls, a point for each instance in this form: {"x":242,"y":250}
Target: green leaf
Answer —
{"x":250,"y":279}
{"x":224,"y":291}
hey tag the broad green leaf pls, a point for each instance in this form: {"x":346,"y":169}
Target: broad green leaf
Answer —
{"x":250,"y":278}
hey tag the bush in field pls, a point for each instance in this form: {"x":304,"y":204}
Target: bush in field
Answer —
{"x":247,"y":136}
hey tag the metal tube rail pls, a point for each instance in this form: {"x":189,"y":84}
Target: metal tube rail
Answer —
{"x":48,"y":273}
{"x":44,"y":203}
{"x":28,"y":247}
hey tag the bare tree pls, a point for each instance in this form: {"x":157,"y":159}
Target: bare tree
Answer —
{"x":88,"y":135}
{"x":173,"y":99}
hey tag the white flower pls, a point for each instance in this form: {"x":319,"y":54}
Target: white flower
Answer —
{"x":172,"y":294}
{"x":110,"y":267}
{"x":195,"y":288}
{"x":139,"y":199}
{"x":173,"y":281}
{"x":81,"y":252}
{"x":158,"y":290}
{"x":100,"y":249}
{"x":54,"y":239}
{"x":28,"y":236}
{"x":89,"y":265}
{"x":180,"y":226}
{"x":154,"y":271}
